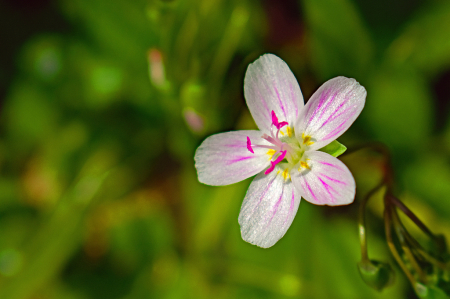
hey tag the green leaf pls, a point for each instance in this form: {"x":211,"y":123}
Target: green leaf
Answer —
{"x":335,"y":148}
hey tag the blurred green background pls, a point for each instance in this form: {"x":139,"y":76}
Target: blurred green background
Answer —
{"x":103,"y":103}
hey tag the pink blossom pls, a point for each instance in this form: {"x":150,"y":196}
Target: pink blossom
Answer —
{"x":285,"y":153}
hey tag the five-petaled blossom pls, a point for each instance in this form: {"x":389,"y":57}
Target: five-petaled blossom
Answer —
{"x":285,"y":154}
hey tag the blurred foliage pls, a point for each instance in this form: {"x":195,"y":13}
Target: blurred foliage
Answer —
{"x":103,"y":106}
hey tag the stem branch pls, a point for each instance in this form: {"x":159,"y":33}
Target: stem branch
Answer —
{"x":410,"y":214}
{"x":392,"y":248}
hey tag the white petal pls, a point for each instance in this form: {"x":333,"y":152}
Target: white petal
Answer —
{"x":270,"y":85}
{"x":331,"y":110}
{"x":224,"y":159}
{"x":328,"y":182}
{"x":268,"y":209}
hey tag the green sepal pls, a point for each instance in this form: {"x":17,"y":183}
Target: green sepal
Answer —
{"x":335,"y":148}
{"x":429,"y":292}
{"x":377,"y":275}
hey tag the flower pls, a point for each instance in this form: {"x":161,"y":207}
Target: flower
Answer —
{"x":284,"y":154}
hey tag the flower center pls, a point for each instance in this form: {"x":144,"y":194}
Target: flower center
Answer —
{"x":283,"y":148}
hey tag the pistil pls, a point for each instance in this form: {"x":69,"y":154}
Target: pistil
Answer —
{"x":279,"y":149}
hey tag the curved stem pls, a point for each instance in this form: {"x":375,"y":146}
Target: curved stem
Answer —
{"x":425,"y":255}
{"x":362,"y":222}
{"x":413,"y":251}
{"x":388,"y":174}
{"x":400,"y":231}
{"x":410,"y":214}
{"x":432,"y":259}
{"x":421,"y":251}
{"x":392,"y":248}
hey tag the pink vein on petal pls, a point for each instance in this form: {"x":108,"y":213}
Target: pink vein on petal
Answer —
{"x":309,"y":109}
{"x":336,"y":131}
{"x":291,"y":207}
{"x":264,"y":104}
{"x":310,"y":191}
{"x":280,"y":102}
{"x":263,"y":195}
{"x":329,"y":164}
{"x":291,"y":88}
{"x":330,"y":101}
{"x":236,"y":144}
{"x":328,"y":187}
{"x":238,"y":159}
{"x":323,"y":98}
{"x":331,"y":117}
{"x":333,"y":180}
{"x":275,"y":208}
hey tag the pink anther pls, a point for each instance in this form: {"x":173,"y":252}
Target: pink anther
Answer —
{"x":274,"y":119}
{"x":270,"y":169}
{"x":276,"y":123}
{"x":280,"y":157}
{"x":282,"y":124}
{"x":249,"y":145}
{"x":273,"y":163}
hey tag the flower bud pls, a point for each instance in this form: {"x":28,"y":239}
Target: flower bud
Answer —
{"x":429,"y":291}
{"x":377,"y":275}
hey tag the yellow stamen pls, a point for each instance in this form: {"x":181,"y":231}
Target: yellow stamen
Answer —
{"x":282,"y":133}
{"x":307,"y":139}
{"x":286,"y":174}
{"x":304,"y":165}
{"x":271,"y":152}
{"x":289,"y":131}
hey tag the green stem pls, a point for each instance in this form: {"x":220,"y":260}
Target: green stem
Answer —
{"x":400,"y":231}
{"x":362,"y":223}
{"x":392,"y":248}
{"x":382,"y":149}
{"x":410,"y":214}
{"x":421,"y":251}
